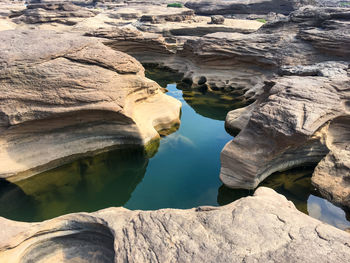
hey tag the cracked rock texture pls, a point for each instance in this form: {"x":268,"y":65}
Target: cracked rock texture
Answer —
{"x":261,"y":228}
{"x":64,"y":96}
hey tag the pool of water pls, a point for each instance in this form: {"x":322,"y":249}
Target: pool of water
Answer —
{"x":184,"y":173}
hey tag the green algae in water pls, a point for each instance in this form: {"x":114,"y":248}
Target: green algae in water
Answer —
{"x":89,"y":184}
{"x":179,"y":171}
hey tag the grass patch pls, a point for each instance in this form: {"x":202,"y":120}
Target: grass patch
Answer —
{"x":345,"y":4}
{"x":178,"y":5}
{"x":261,"y":20}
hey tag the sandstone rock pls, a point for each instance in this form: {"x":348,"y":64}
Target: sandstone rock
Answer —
{"x":219,"y":7}
{"x":332,"y":175}
{"x":264,"y":227}
{"x":172,"y":15}
{"x":63,"y":12}
{"x":200,"y":26}
{"x":219,"y":20}
{"x":287,"y":124}
{"x":269,"y":143}
{"x":65,"y":96}
{"x":9,"y":8}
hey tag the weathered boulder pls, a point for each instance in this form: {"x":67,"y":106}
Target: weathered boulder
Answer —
{"x":219,"y":20}
{"x":264,"y":227}
{"x":65,"y":96}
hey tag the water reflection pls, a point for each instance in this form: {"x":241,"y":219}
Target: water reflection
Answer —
{"x":13,"y":199}
{"x":296,"y":186}
{"x":182,"y":174}
{"x":89,"y":184}
{"x":214,"y":105}
{"x":321,"y":209}
{"x":162,"y":75}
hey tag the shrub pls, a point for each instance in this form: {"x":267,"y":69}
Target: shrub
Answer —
{"x":178,"y":5}
{"x":261,"y":20}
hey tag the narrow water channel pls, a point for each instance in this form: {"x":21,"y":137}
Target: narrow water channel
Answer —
{"x":184,"y":173}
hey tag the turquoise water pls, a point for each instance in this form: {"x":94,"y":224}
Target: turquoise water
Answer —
{"x":184,"y":173}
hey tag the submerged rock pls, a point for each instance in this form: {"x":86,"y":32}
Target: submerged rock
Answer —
{"x":66,"y":96}
{"x":261,"y":228}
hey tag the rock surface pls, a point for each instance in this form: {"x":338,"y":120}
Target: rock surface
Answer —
{"x":287,"y":124}
{"x":332,"y":175}
{"x":68,"y":96}
{"x":63,"y":12}
{"x":268,"y":143}
{"x":220,"y":7}
{"x":264,"y":227}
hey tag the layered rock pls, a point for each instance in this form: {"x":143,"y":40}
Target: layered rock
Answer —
{"x":288,"y":126}
{"x":63,"y":12}
{"x":277,"y":232}
{"x":65,"y":96}
{"x":219,"y":7}
{"x":332,"y":175}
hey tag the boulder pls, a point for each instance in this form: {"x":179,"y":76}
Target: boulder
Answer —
{"x":261,"y":228}
{"x":218,"y":20}
{"x":65,"y":96}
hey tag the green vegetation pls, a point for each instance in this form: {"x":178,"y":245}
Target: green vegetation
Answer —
{"x":345,"y":4}
{"x":178,"y":5}
{"x":261,"y":20}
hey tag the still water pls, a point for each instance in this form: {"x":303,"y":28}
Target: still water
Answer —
{"x":184,"y":173}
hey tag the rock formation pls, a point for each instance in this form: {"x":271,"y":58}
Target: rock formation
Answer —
{"x":65,"y":96}
{"x":222,"y":7}
{"x":264,"y":227}
{"x":62,"y":12}
{"x":290,"y":123}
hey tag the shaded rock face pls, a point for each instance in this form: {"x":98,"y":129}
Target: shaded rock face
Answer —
{"x":218,"y":7}
{"x":332,"y":175}
{"x":64,"y":96}
{"x":277,"y":232}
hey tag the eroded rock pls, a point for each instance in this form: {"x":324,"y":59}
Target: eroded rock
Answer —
{"x":66,"y":96}
{"x":219,"y":7}
{"x":276,"y":232}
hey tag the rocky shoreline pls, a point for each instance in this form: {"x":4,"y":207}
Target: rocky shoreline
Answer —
{"x":72,"y":85}
{"x":261,"y":228}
